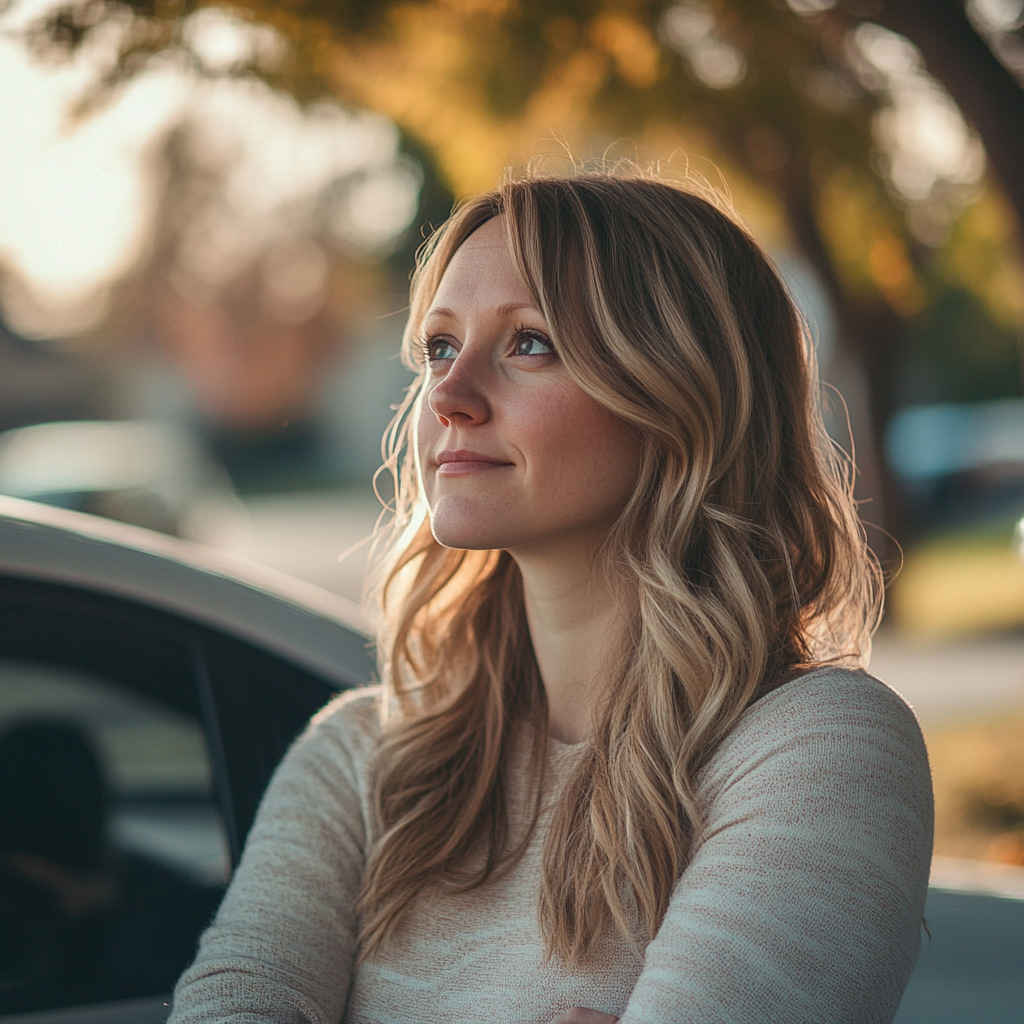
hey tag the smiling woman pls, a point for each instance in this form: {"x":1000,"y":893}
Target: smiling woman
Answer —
{"x":624,"y":763}
{"x":552,"y":462}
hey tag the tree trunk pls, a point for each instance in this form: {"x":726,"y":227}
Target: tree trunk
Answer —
{"x":987,"y":94}
{"x":871,"y":334}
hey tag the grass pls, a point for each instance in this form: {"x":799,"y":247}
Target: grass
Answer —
{"x":978,"y":775}
{"x":960,"y":584}
{"x":956,"y":585}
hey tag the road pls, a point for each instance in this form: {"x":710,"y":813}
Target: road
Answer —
{"x":941,"y":680}
{"x":319,"y":537}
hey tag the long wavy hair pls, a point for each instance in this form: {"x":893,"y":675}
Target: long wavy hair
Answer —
{"x":739,"y":558}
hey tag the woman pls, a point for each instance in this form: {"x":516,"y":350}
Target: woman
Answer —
{"x":616,"y":768}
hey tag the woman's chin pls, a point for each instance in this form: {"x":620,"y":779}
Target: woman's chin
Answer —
{"x":466,"y":540}
{"x":469,"y":536}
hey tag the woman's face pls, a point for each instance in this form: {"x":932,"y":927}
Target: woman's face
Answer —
{"x":511,"y":452}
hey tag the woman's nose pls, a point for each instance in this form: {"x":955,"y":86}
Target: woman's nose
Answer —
{"x":460,"y":398}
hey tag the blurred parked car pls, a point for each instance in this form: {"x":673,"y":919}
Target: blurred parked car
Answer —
{"x":961,"y":468}
{"x":960,"y":465}
{"x":147,"y":473}
{"x":148,"y":688}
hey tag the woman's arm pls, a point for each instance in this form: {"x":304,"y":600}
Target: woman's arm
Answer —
{"x":282,"y":945}
{"x":804,"y":900}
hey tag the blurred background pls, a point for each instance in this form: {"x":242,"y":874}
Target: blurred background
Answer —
{"x":208,"y":216}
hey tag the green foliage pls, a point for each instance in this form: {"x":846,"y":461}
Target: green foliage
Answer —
{"x":435,"y":206}
{"x":796,"y":93}
{"x":959,"y":353}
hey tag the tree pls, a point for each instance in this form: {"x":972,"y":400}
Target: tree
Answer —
{"x":989,"y":95}
{"x":768,"y":87}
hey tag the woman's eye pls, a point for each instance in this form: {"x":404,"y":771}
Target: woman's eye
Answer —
{"x":533,"y":343}
{"x":438,"y":349}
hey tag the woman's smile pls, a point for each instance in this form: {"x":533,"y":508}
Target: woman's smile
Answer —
{"x":462,"y":462}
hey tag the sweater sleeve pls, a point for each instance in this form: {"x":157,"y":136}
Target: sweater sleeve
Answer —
{"x":282,"y":945}
{"x":804,"y":900}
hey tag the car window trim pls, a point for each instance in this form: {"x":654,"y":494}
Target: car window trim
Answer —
{"x":215,"y":746}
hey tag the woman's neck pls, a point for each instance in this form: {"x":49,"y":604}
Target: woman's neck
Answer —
{"x":576,"y":627}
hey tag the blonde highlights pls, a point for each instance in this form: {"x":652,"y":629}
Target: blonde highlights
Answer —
{"x":738,"y":559}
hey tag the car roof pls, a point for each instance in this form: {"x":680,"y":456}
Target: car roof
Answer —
{"x":306,"y":624}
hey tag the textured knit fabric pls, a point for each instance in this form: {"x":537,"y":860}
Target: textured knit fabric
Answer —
{"x":803,"y":901}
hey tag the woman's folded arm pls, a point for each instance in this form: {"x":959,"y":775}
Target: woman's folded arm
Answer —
{"x":804,"y":901}
{"x":282,"y":946}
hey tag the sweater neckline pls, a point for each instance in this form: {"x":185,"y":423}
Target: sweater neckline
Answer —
{"x":558,"y":744}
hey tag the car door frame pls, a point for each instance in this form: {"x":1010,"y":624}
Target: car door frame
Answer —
{"x":208,"y":691}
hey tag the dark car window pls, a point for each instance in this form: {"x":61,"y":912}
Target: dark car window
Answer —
{"x":134,"y":748}
{"x":258,"y":703}
{"x":114,"y":855}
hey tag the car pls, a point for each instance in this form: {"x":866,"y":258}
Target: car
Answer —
{"x":159,"y":683}
{"x":144,"y":472}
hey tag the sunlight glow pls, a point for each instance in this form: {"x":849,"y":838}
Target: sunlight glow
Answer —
{"x":932,"y":157}
{"x":73,"y":200}
{"x":689,"y":28}
{"x":78,"y":198}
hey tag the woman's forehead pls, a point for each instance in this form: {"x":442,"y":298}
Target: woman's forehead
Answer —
{"x":489,"y":241}
{"x":481,"y":273}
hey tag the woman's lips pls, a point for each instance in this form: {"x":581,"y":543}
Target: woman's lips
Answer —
{"x":461,"y":462}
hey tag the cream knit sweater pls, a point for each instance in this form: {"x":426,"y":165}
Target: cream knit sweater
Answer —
{"x":803,"y":902}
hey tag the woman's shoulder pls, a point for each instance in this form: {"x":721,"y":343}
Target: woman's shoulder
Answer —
{"x":350,"y":724}
{"x":325,"y":775}
{"x":837,"y":720}
{"x":830,"y":697}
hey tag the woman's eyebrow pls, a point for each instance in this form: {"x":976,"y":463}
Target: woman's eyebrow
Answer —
{"x":512,"y":307}
{"x":503,"y":310}
{"x":441,"y":311}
